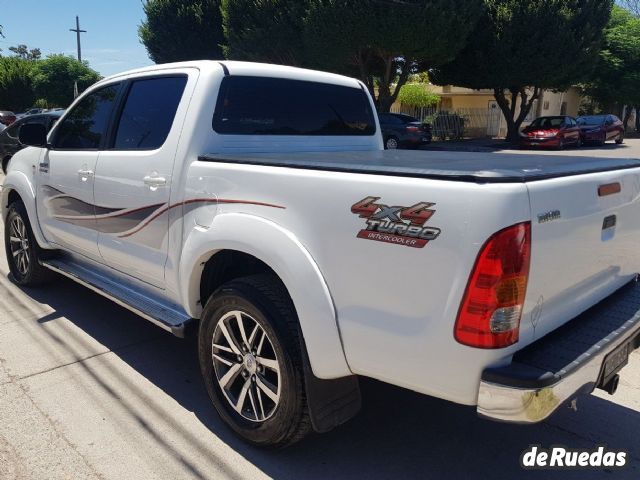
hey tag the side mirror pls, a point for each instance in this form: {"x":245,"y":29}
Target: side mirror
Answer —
{"x":33,"y":135}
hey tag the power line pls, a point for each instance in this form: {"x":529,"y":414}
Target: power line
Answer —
{"x":78,"y":32}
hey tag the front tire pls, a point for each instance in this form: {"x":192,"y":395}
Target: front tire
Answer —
{"x":620,"y":139}
{"x":251,"y":360}
{"x":23,"y":252}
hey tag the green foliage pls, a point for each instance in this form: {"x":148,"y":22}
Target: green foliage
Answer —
{"x":41,"y":103}
{"x":616,"y":78}
{"x":16,"y":84}
{"x":54,"y":77}
{"x":264,"y":30}
{"x":418,"y":95}
{"x":24,"y":52}
{"x":381,"y":42}
{"x":384,"y":42}
{"x":544,"y":44}
{"x":177,"y":30}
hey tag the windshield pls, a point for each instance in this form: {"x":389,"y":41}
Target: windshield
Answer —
{"x":591,"y":120}
{"x":547,"y":122}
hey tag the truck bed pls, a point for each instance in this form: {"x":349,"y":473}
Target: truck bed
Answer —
{"x":455,"y":166}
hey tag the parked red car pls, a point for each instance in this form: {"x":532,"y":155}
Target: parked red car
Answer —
{"x":7,"y":118}
{"x":552,"y":132}
{"x":600,"y":128}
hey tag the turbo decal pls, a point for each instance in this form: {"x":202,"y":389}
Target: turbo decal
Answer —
{"x":399,"y":225}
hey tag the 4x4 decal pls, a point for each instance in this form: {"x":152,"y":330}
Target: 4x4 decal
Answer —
{"x":399,"y":225}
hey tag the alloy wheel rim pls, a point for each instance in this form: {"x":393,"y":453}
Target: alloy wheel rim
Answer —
{"x":19,"y":242}
{"x":392,"y":144}
{"x":246,"y":366}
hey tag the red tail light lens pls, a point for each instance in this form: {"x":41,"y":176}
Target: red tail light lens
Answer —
{"x":413,"y":129}
{"x":491,"y":308}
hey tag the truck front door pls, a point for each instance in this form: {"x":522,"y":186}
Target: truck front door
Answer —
{"x":64,"y":200}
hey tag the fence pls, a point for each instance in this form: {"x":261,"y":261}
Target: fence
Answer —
{"x":455,"y":123}
{"x":460,"y":122}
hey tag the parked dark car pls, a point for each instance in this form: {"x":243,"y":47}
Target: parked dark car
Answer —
{"x":9,"y":143}
{"x":403,"y":131}
{"x":600,"y":128}
{"x":7,"y":118}
{"x":31,"y":111}
{"x":551,"y":132}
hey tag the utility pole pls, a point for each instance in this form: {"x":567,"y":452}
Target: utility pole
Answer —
{"x":78,"y":32}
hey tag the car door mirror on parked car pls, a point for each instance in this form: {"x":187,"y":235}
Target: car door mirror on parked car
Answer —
{"x":33,"y":135}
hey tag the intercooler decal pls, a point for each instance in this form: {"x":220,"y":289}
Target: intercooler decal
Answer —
{"x":122,"y":222}
{"x":398,"y":225}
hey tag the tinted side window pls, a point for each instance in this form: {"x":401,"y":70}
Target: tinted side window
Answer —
{"x":86,"y":124}
{"x":390,"y":119}
{"x":149,"y":112}
{"x":276,"y":106}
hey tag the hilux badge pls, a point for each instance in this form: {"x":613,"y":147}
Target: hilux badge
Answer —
{"x":549,"y":216}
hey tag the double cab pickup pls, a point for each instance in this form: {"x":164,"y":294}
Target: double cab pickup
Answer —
{"x":255,"y":207}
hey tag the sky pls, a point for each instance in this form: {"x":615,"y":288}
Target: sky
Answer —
{"x":111,"y":44}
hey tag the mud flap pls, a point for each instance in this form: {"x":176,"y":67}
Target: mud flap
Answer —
{"x":331,"y":402}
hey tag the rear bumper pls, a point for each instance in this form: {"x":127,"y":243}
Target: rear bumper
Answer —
{"x":584,"y":354}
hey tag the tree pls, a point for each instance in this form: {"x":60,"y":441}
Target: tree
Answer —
{"x":383,"y":42}
{"x":24,"y":52}
{"x":16,"y":83}
{"x":417,"y":95}
{"x":177,"y":30}
{"x":616,"y":78}
{"x":54,"y":78}
{"x":264,"y":30}
{"x":519,"y":48}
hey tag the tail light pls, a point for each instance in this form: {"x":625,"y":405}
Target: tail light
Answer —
{"x":413,"y":129}
{"x":491,"y":308}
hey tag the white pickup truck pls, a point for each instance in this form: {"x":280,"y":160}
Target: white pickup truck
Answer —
{"x":256,"y":203}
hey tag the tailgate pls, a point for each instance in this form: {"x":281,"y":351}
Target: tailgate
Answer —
{"x":585,"y":236}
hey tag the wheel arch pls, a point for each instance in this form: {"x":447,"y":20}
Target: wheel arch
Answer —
{"x":18,"y":187}
{"x":207,"y":262}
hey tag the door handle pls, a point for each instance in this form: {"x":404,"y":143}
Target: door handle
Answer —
{"x":154,"y":181}
{"x":85,"y":174}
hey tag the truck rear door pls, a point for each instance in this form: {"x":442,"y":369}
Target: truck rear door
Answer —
{"x":133,"y":177}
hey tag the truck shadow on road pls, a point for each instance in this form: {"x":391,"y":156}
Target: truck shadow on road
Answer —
{"x":398,"y":433}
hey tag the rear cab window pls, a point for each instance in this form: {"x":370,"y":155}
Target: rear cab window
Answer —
{"x":276,"y":106}
{"x":148,"y":112}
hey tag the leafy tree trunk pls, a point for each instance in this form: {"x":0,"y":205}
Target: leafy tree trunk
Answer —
{"x":627,"y":116}
{"x":386,"y":94}
{"x":509,"y":108}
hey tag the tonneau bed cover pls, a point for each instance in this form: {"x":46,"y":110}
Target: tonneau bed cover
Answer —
{"x":456,"y":166}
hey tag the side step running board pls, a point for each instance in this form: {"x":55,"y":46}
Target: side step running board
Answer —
{"x":162,"y":315}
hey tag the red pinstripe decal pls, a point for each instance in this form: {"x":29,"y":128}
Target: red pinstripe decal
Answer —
{"x":197,"y":200}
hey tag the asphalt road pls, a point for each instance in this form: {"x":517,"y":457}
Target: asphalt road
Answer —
{"x":89,"y":390}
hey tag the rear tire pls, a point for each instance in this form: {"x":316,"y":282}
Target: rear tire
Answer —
{"x":255,"y":380}
{"x":23,"y":252}
{"x":620,"y":139}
